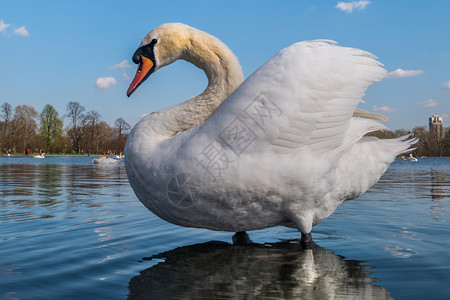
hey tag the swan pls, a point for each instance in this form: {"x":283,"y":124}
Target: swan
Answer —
{"x":412,"y":158}
{"x":106,"y":160}
{"x":284,"y":147}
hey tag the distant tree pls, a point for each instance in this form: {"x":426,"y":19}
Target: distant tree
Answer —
{"x":24,"y":127}
{"x":91,"y":130}
{"x":382,"y":134}
{"x":422,"y":146}
{"x":446,"y":142}
{"x":6,"y":114}
{"x":105,"y":141}
{"x":121,"y":126}
{"x":64,"y":145}
{"x":436,"y":141}
{"x":401,"y":132}
{"x":51,"y":128}
{"x":75,"y":112}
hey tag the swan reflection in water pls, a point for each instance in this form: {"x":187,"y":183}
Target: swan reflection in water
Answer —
{"x":219,"y":270}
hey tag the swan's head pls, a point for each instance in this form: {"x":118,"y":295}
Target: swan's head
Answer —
{"x":162,"y":46}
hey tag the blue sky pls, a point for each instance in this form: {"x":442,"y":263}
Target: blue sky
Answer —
{"x":53,"y":52}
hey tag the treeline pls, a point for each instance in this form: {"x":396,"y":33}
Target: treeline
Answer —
{"x":24,"y":130}
{"x":432,"y":142}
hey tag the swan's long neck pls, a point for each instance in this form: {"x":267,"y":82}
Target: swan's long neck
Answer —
{"x":224,"y":75}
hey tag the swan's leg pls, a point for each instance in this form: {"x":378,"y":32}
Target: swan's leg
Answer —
{"x":303,"y":220}
{"x":306,"y":240}
{"x":241,"y":238}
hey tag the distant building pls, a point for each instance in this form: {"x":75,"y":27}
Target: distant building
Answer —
{"x":435,"y":123}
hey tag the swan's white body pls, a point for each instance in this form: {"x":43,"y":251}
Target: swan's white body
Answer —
{"x":282,"y":149}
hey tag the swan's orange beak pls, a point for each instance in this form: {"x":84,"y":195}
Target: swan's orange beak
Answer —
{"x":144,"y":70}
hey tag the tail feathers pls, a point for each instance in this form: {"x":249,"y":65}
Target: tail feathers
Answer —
{"x":401,"y":144}
{"x":360,"y":126}
{"x":357,"y":129}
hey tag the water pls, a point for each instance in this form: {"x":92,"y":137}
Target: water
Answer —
{"x":72,"y":230}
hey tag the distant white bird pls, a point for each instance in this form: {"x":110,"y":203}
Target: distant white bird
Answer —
{"x":412,"y":158}
{"x":106,"y":160}
{"x":285,"y":147}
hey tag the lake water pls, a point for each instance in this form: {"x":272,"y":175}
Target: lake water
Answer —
{"x":73,"y":230}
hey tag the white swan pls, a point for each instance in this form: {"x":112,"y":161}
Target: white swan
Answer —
{"x":284,"y":148}
{"x":412,"y":158}
{"x":106,"y":160}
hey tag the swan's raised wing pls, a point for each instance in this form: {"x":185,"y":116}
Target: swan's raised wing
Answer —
{"x":305,"y":96}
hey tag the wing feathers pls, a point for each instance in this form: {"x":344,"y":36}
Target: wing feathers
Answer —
{"x":314,"y":88}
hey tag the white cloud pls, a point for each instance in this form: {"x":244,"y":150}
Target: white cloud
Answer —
{"x":22,"y":31}
{"x":383,"y":108}
{"x":122,"y":65}
{"x":105,"y":82}
{"x":350,"y":6}
{"x":446,"y":86}
{"x":3,"y":26}
{"x":428,"y":103}
{"x":403,"y":73}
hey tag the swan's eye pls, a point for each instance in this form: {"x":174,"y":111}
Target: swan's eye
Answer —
{"x":153,"y":42}
{"x":139,"y":66}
